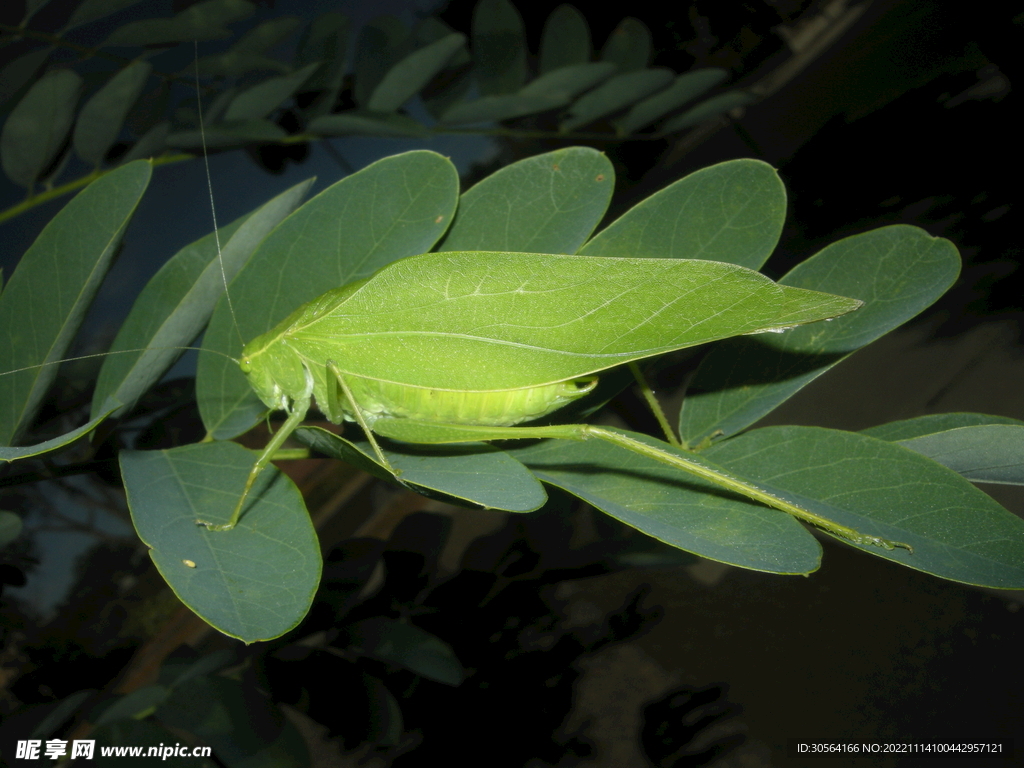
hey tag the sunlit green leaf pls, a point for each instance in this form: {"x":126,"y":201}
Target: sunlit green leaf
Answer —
{"x":254,"y":582}
{"x":549,"y":203}
{"x":956,"y":531}
{"x":896,"y":271}
{"x":731,"y":212}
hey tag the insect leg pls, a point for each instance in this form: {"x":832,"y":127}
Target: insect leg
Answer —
{"x":300,"y":406}
{"x":358,"y":413}
{"x":654,"y":405}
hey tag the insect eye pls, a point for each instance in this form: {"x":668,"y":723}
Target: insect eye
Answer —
{"x":245,"y":364}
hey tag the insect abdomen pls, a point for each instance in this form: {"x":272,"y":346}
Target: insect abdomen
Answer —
{"x":502,"y":408}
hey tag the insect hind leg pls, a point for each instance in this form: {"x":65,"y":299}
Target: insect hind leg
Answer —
{"x":357,"y":412}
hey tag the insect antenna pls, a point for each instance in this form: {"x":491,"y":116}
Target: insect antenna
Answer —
{"x":209,"y":187}
{"x":112,"y":352}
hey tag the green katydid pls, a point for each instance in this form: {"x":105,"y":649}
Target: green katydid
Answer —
{"x":460,"y":346}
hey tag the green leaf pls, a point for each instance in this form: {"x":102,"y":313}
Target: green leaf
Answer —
{"x":139,"y":702}
{"x":957,"y":532}
{"x":99,"y":123}
{"x":992,"y":453}
{"x":406,"y":645}
{"x":908,"y":429}
{"x":706,"y":110}
{"x":686,"y":87}
{"x":229,"y":134}
{"x":37,"y":127}
{"x":260,"y":100}
{"x":355,"y":123}
{"x":326,"y":41}
{"x":897,"y":271}
{"x":628,"y":46}
{"x":76,"y":246}
{"x":491,"y":108}
{"x":91,"y":10}
{"x":380,"y":44}
{"x":549,"y":203}
{"x":254,"y":582}
{"x":150,"y":145}
{"x":24,"y":452}
{"x":476,"y":473}
{"x":499,"y":47}
{"x":731,"y":212}
{"x":19,"y":72}
{"x":396,"y":207}
{"x":59,"y":714}
{"x":618,"y":92}
{"x":565,"y":40}
{"x":673,"y":507}
{"x":244,"y":727}
{"x":10,"y":527}
{"x":560,"y":86}
{"x":485,"y":321}
{"x":177,"y":302}
{"x":206,"y":20}
{"x":408,"y":76}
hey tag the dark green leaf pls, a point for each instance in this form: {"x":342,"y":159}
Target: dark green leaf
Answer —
{"x":254,"y":582}
{"x":355,"y":123}
{"x":674,"y":507}
{"x":13,"y":454}
{"x":706,"y":110}
{"x":10,"y":527}
{"x":150,"y":145}
{"x":37,"y":127}
{"x":992,"y":453}
{"x":260,"y":100}
{"x":687,"y":87}
{"x":897,"y":271}
{"x":228,"y":134}
{"x":91,"y":10}
{"x":396,"y":207}
{"x":565,"y":40}
{"x":136,"y":704}
{"x":380,"y":45}
{"x":406,"y":645}
{"x":177,"y":302}
{"x":408,"y":76}
{"x":731,"y":212}
{"x":203,"y":21}
{"x":99,"y":123}
{"x":21,"y":71}
{"x":491,"y":108}
{"x":908,"y":429}
{"x":561,"y":86}
{"x":475,"y":473}
{"x":499,"y":47}
{"x":957,"y":532}
{"x":60,"y":713}
{"x":549,"y":203}
{"x":628,"y":46}
{"x":618,"y":92}
{"x":326,"y":41}
{"x":77,"y":245}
